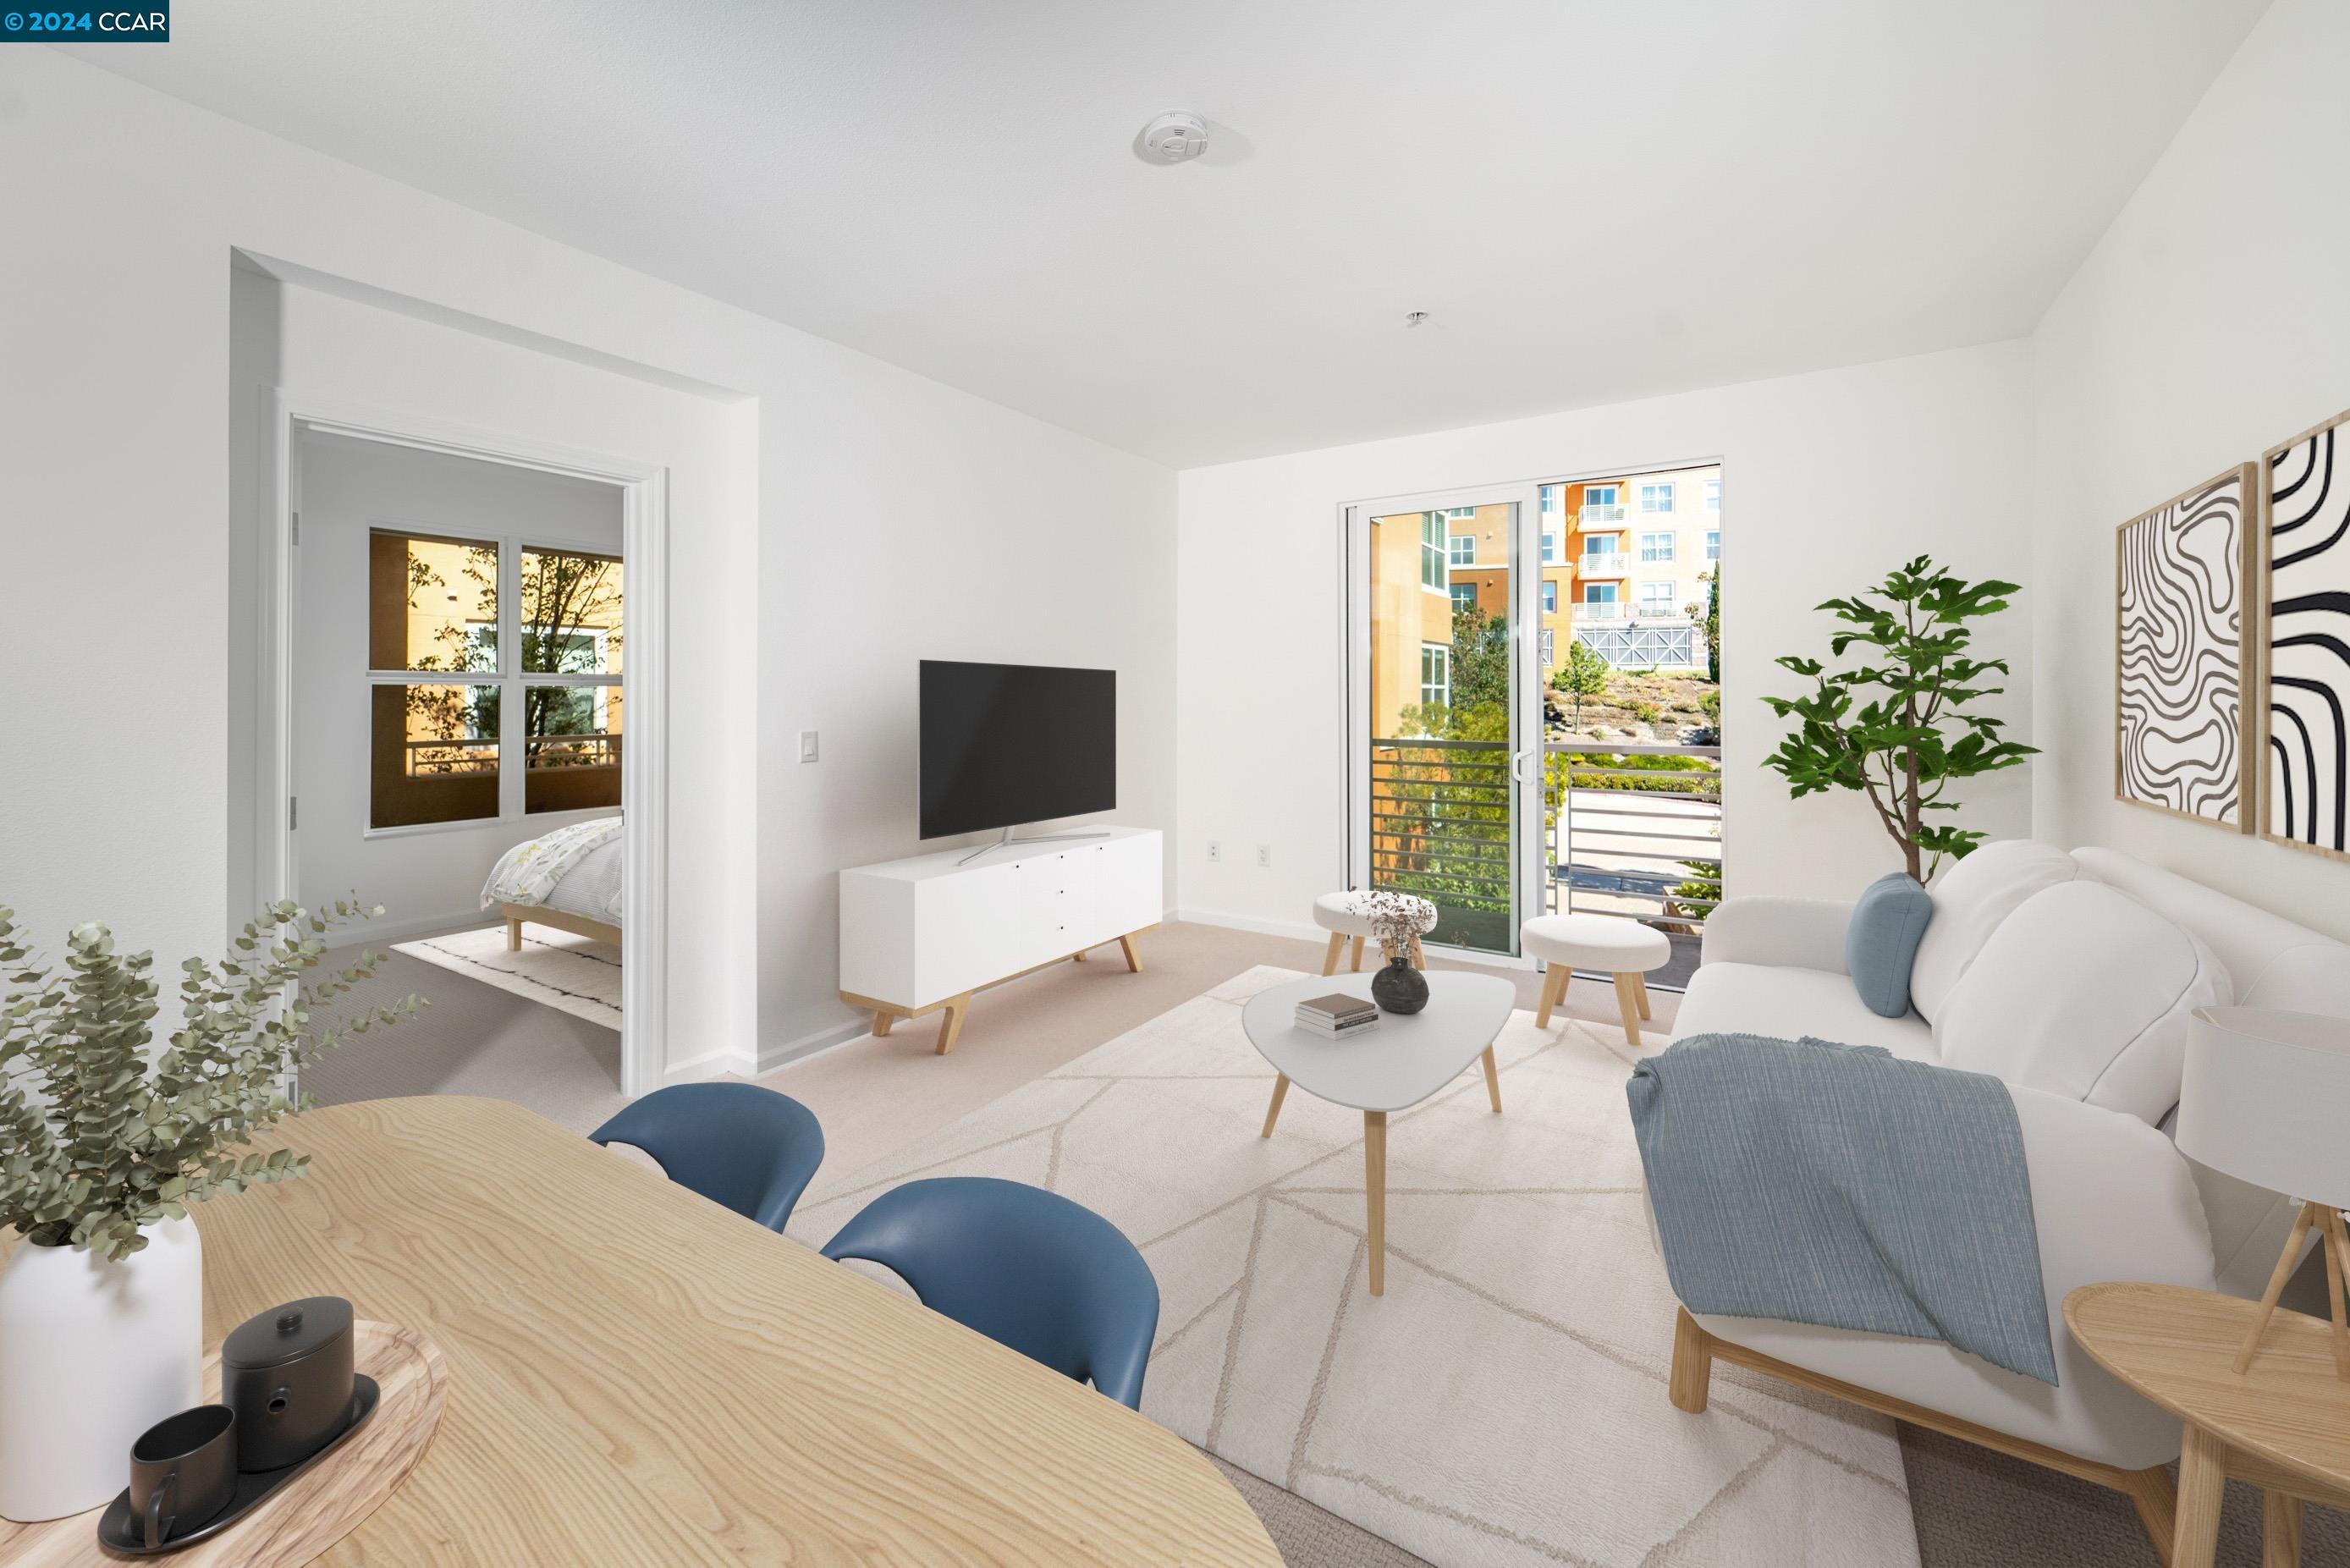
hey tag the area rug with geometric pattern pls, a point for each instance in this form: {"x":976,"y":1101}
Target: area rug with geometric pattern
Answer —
{"x":1503,"y":1402}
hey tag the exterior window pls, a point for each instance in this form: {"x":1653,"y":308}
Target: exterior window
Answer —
{"x":1599,"y":544}
{"x":1550,"y":600}
{"x":1713,"y":495}
{"x":1657,"y":599}
{"x":1464,"y":596}
{"x":1656,"y":547}
{"x":1463,"y":547}
{"x":1547,"y":646}
{"x":1550,"y":546}
{"x":1713,"y":545}
{"x":1599,"y":495}
{"x":1435,"y":675}
{"x":1431,"y":551}
{"x":1657,"y":497}
{"x":1601,"y":595}
{"x":448,"y":707}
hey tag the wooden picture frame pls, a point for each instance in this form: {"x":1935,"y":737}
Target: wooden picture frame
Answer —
{"x":2314,"y":470}
{"x":2167,"y":590}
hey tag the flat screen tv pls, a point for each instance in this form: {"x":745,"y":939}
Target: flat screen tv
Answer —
{"x":1004,"y":744}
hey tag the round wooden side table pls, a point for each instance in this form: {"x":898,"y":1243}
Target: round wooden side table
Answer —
{"x":2283,"y":1424}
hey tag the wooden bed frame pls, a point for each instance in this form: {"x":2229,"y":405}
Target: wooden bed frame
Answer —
{"x":578,"y":925}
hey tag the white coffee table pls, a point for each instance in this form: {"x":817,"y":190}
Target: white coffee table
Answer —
{"x":1393,"y":1067}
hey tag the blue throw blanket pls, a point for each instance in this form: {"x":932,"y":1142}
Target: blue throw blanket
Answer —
{"x":1839,"y":1185}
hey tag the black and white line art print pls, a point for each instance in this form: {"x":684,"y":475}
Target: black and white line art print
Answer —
{"x":2185,"y":591}
{"x":2307,"y":653}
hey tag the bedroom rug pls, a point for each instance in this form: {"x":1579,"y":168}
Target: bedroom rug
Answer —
{"x":580,"y":975}
{"x":1504,"y":1402}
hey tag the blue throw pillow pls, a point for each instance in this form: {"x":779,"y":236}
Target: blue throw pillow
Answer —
{"x":1883,"y":939}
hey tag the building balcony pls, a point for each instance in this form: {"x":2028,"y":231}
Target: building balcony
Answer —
{"x":1605,"y":564}
{"x":1585,"y":611}
{"x":1593,"y":516}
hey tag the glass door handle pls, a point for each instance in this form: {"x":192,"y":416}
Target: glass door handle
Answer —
{"x":1517,"y":765}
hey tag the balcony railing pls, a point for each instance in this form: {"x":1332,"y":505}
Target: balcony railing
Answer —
{"x":1591,"y":609}
{"x":1593,"y":514}
{"x":1605,"y":564}
{"x":1632,"y":829}
{"x":468,"y":755}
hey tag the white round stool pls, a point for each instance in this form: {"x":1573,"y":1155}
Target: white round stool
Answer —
{"x":1345,"y":917}
{"x":1624,"y":949}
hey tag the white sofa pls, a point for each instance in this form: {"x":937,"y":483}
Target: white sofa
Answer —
{"x":2072,"y":977}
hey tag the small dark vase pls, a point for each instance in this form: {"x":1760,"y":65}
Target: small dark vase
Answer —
{"x":1398,"y":987}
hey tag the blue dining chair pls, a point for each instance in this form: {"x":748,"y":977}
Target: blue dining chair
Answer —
{"x":1027,"y":1268}
{"x":747,"y":1148}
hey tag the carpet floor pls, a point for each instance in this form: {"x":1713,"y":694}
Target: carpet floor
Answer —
{"x":1503,"y":1402}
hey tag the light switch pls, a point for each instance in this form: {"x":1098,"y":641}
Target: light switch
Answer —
{"x":808,"y":745}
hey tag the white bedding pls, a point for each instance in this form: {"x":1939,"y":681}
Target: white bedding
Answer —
{"x":575,"y":870}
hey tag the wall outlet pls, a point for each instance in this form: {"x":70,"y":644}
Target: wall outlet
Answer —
{"x":1264,"y":855}
{"x":1216,"y":850}
{"x":808,"y":745}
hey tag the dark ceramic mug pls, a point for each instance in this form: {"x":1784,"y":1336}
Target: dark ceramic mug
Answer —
{"x":184,"y":1471}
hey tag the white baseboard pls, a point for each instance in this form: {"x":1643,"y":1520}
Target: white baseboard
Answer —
{"x":712,"y":1064}
{"x":1302,"y":930}
{"x":811,"y":1044}
{"x":377,"y":933}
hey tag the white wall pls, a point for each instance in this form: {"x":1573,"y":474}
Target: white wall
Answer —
{"x":1828,"y":481}
{"x":431,"y":876}
{"x":890,"y":516}
{"x":2209,"y":324}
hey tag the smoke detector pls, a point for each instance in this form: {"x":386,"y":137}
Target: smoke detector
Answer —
{"x":1174,"y":138}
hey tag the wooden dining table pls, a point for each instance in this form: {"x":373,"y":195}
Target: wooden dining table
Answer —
{"x":639,"y":1376}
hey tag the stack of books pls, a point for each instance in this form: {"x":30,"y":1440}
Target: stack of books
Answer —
{"x":1338,"y":1017}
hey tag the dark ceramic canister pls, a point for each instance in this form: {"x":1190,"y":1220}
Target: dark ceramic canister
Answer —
{"x":182,"y":1472}
{"x":1399,"y":987}
{"x":287,"y":1375}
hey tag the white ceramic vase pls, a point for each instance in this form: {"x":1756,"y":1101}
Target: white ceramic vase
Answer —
{"x":92,"y":1354}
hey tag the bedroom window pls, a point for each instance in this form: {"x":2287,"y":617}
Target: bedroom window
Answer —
{"x":480,"y":650}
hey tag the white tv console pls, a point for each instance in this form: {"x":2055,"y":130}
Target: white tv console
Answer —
{"x":919,"y":936}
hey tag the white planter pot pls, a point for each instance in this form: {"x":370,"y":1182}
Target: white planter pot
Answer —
{"x":92,"y":1354}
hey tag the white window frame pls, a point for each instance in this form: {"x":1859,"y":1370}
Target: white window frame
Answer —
{"x":1549,"y":596}
{"x":1435,"y":572}
{"x":1602,"y":594}
{"x":1458,"y":590}
{"x":1457,"y":557}
{"x":1441,"y":688}
{"x":1603,"y":495}
{"x":1657,"y":500}
{"x":1671,"y":597}
{"x":1548,"y":645}
{"x":1551,"y":544}
{"x":1713,"y":544}
{"x":1657,"y":549}
{"x":508,"y":677}
{"x":1713,"y":495}
{"x":1608,"y":545}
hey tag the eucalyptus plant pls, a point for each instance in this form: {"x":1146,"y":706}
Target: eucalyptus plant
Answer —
{"x":1899,"y":727}
{"x":97,"y":1139}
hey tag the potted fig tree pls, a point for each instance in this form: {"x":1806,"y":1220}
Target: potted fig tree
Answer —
{"x":105,"y":1143}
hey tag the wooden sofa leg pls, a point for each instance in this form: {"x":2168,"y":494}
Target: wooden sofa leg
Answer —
{"x":2155,"y":1497}
{"x":1692,"y":1363}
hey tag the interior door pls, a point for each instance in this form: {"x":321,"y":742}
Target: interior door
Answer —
{"x":1444,"y":724}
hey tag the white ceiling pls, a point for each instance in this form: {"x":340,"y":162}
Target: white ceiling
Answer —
{"x":1597,"y":199}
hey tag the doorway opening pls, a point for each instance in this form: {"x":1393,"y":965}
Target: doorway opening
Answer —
{"x":463,"y":653}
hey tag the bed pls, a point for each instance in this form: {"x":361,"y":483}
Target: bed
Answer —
{"x":568,"y":880}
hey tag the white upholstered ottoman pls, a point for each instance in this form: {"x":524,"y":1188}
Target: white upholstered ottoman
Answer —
{"x":1623,"y":949}
{"x":1346,"y":916}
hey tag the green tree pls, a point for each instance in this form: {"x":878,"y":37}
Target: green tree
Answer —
{"x":1481,"y":661}
{"x":1897,"y":726}
{"x":1707,"y":616}
{"x":1584,"y":675}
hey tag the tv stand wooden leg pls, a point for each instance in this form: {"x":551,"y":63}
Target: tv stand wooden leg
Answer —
{"x":1133,"y":958}
{"x":881,"y":1022}
{"x":951,"y":1021}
